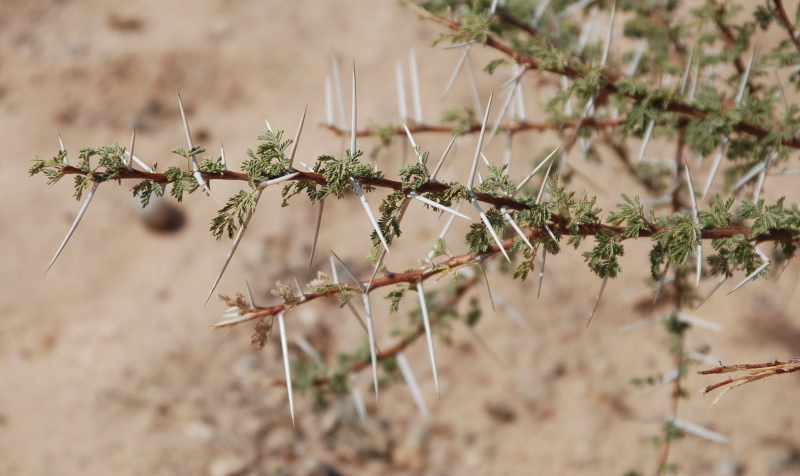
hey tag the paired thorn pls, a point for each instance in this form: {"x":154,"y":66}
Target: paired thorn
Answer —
{"x":755,"y":273}
{"x":597,"y":299}
{"x":428,"y":334}
{"x":401,"y":91}
{"x":337,"y":79}
{"x":660,"y":285}
{"x":129,"y":165}
{"x":195,"y":167}
{"x":458,"y":68}
{"x":296,"y":142}
{"x":236,"y":241}
{"x":371,"y":216}
{"x":62,"y":148}
{"x":491,"y":229}
{"x":432,"y":178}
{"x":413,"y":194}
{"x":696,"y":222}
{"x":408,"y":376}
{"x":222,"y":156}
{"x":284,"y":347}
{"x":471,"y":181}
{"x":535,"y":170}
{"x":415,"y":89}
{"x":316,"y":232}
{"x":74,"y":224}
{"x":371,"y":332}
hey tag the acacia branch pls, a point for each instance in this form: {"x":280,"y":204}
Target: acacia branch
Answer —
{"x":609,"y":83}
{"x":558,"y":222}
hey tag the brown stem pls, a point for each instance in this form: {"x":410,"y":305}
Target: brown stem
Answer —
{"x":784,"y":18}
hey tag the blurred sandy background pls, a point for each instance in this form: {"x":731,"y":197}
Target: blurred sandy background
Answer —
{"x":107,"y":363}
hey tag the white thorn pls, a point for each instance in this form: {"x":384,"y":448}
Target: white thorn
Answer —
{"x":74,"y":223}
{"x":722,"y":148}
{"x":61,"y":147}
{"x":427,"y":322}
{"x":573,"y":8}
{"x":371,"y":216}
{"x":441,"y":161}
{"x":236,"y":241}
{"x":413,"y":194}
{"x":696,"y":222}
{"x":661,"y":283}
{"x":608,"y":37}
{"x":328,"y":101}
{"x":141,"y":164}
{"x":762,"y":175}
{"x":316,"y":232}
{"x":401,"y":91}
{"x":597,"y":300}
{"x":347,"y":269}
{"x":358,"y":398}
{"x":516,"y":227}
{"x":749,"y":175}
{"x":537,"y":15}
{"x":269,"y":126}
{"x":501,"y":114}
{"x":129,"y":165}
{"x":491,"y":229}
{"x":250,"y":295}
{"x":521,"y":116}
{"x":309,"y":350}
{"x":686,"y":72}
{"x":754,"y":273}
{"x":519,"y":71}
{"x":353,"y":129}
{"x":471,"y":180}
{"x":296,"y":142}
{"x":713,"y":290}
{"x":195,"y":168}
{"x":283,"y":178}
{"x":742,"y":85}
{"x":544,"y":184}
{"x":646,"y":138}
{"x":222,"y":156}
{"x":698,"y":430}
{"x":371,"y":332}
{"x":455,"y":72}
{"x":286,"y":366}
{"x":476,"y":98}
{"x":541,"y":272}
{"x":408,"y":375}
{"x":337,"y":80}
{"x":637,"y":56}
{"x":415,"y":88}
{"x":535,"y":170}
{"x":698,"y":322}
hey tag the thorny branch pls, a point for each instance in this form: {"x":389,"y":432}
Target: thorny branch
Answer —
{"x":610,"y":83}
{"x":407,"y":340}
{"x":558,"y":222}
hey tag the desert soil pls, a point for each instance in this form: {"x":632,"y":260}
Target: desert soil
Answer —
{"x":108,"y":364}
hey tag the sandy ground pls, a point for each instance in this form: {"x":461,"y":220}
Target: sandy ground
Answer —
{"x":107,"y":363}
